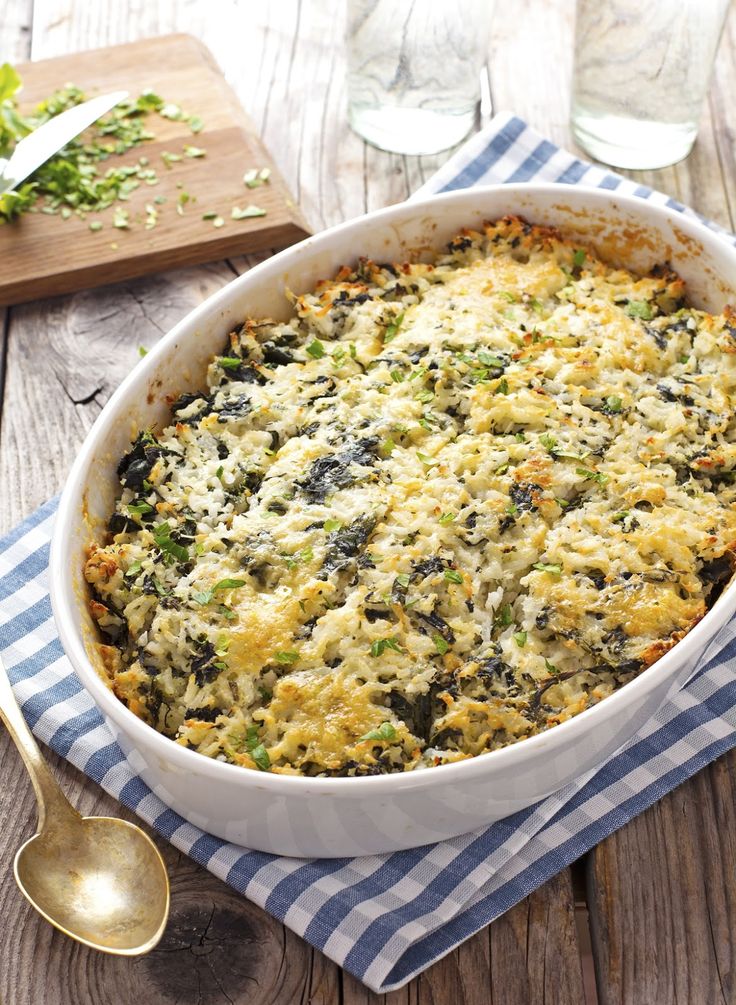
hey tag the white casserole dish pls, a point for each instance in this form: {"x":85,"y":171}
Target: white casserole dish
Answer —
{"x":325,"y":817}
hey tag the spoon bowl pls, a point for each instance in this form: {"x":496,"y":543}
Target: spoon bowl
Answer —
{"x":99,"y":880}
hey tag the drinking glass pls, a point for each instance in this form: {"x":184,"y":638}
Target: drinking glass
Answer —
{"x":414,"y":71}
{"x":642,"y":70}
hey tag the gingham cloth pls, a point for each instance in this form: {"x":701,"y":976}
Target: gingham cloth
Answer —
{"x":385,"y":918}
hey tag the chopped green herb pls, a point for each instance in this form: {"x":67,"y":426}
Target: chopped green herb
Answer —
{"x":684,"y":358}
{"x":520,"y":639}
{"x":488,"y":360}
{"x":162,"y":537}
{"x":387,"y":447}
{"x":452,"y":576}
{"x":639,"y":309}
{"x":440,"y":644}
{"x":426,"y":461}
{"x":403,"y":579}
{"x":229,"y":362}
{"x":237,"y":213}
{"x":620,"y":516}
{"x":286,"y":657}
{"x":503,"y":386}
{"x":424,"y":395}
{"x":613,"y":404}
{"x":121,"y":218}
{"x":551,"y":668}
{"x":138,"y":509}
{"x":168,"y":158}
{"x":142,"y":351}
{"x":315,"y":349}
{"x":255,"y":177}
{"x":447,"y":517}
{"x":133,"y":569}
{"x":548,"y":441}
{"x":504,"y":616}
{"x":330,"y":525}
{"x":593,"y":476}
{"x":578,"y":259}
{"x":397,"y":376}
{"x":392,"y":329}
{"x":551,"y":567}
{"x":379,"y":646}
{"x":211,"y":214}
{"x":507,"y":296}
{"x":384,"y":732}
{"x":261,"y":758}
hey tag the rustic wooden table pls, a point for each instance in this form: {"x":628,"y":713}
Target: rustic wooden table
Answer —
{"x":646,"y":918}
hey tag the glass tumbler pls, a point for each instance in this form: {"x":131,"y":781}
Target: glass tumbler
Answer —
{"x":642,"y":70}
{"x":414,"y":71}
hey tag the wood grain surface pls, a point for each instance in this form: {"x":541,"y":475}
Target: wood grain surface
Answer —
{"x":45,"y":255}
{"x":650,"y":917}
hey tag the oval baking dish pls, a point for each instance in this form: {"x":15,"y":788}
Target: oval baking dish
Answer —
{"x":315,"y":816}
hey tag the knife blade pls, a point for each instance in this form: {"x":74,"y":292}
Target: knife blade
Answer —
{"x":36,"y":148}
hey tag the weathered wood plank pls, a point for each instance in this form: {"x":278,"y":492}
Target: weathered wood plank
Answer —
{"x":663,"y":900}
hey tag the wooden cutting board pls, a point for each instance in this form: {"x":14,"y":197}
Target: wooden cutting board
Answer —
{"x":43,"y":255}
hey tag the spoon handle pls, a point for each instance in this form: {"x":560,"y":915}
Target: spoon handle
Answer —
{"x":51,"y":800}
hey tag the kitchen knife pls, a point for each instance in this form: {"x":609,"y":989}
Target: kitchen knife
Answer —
{"x":36,"y":148}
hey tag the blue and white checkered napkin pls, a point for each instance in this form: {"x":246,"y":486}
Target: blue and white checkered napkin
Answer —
{"x":385,"y":918}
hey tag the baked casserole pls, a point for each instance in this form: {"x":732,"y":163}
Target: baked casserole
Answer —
{"x":441,"y":509}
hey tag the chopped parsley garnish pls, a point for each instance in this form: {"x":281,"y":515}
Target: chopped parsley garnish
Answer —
{"x":245,"y":214}
{"x":551,"y":567}
{"x":254,"y":178}
{"x":452,"y":576}
{"x":613,"y":403}
{"x":256,"y":749}
{"x":620,"y":516}
{"x":440,"y":644}
{"x":578,"y":259}
{"x":229,"y":362}
{"x":487,"y":360}
{"x":133,"y":569}
{"x":384,"y":732}
{"x":403,"y":579}
{"x":503,"y":386}
{"x":205,"y":596}
{"x":551,"y":668}
{"x":592,"y":476}
{"x":504,"y":617}
{"x":315,"y":349}
{"x":330,"y":525}
{"x":392,"y":329}
{"x":548,"y":441}
{"x":379,"y":647}
{"x":428,"y":462}
{"x":139,"y":509}
{"x":82,"y":178}
{"x":447,"y":517}
{"x":162,"y":537}
{"x":639,"y":309}
{"x":520,"y":639}
{"x":286,"y":657}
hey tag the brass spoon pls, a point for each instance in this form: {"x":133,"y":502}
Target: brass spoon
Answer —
{"x":99,"y":880}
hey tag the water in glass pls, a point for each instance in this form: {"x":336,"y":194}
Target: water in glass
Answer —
{"x":642,"y":69}
{"x":414,"y":71}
